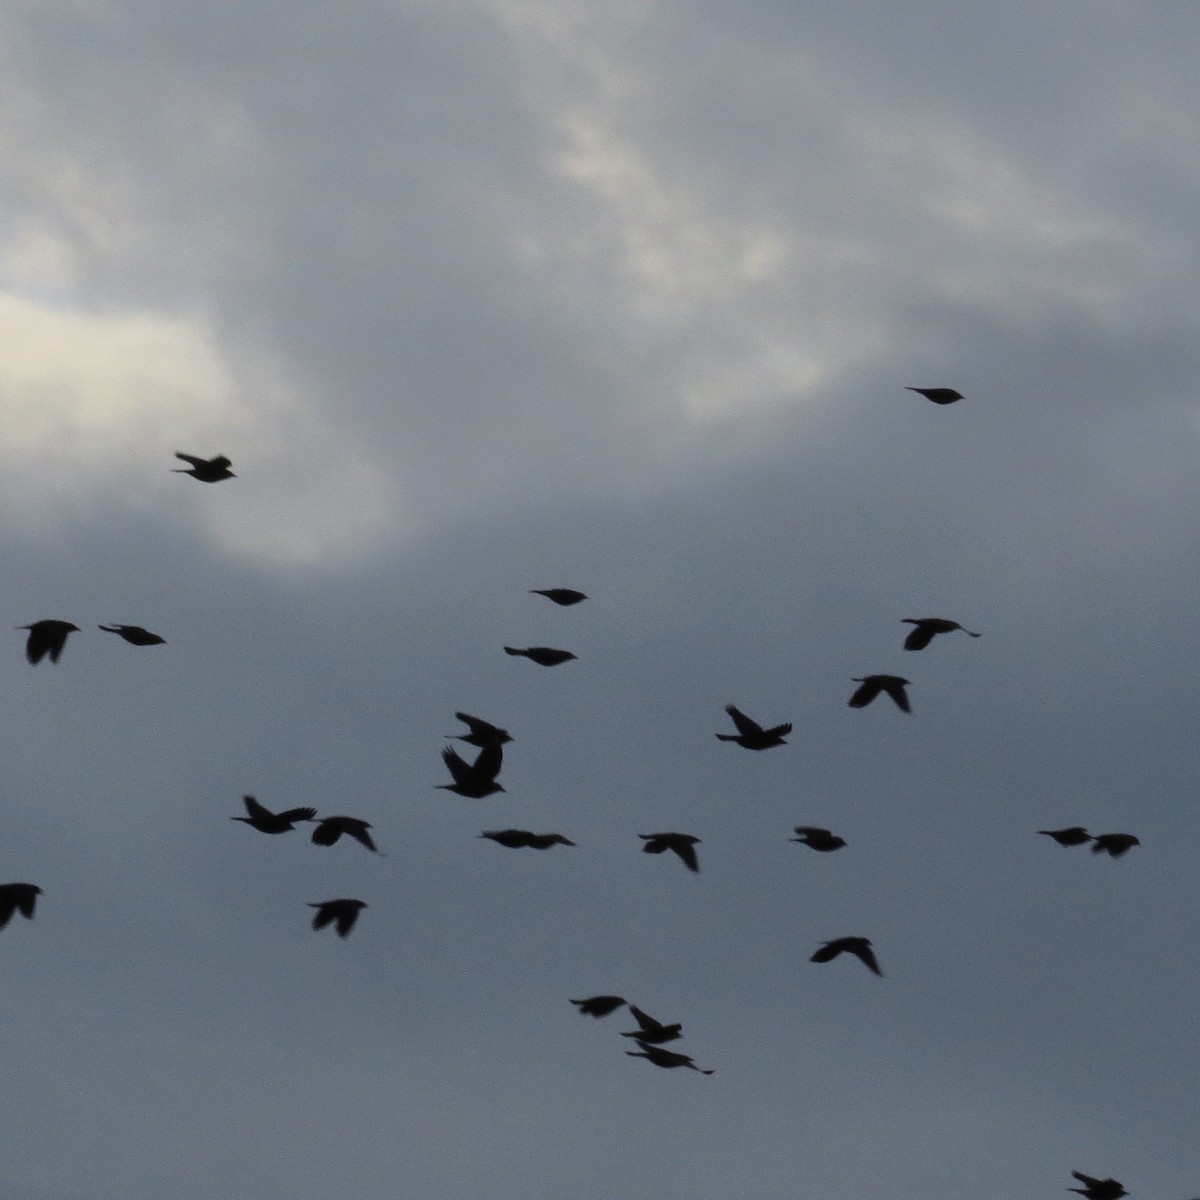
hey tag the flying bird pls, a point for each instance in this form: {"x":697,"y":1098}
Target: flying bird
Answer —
{"x":265,"y":821}
{"x":1073,"y":835}
{"x":207,"y":470}
{"x":682,"y":844}
{"x":135,"y":635}
{"x":479,"y":732}
{"x":562,"y":596}
{"x":329,"y":829}
{"x":860,"y":947}
{"x":17,"y":897}
{"x":925,"y":629}
{"x":872,"y":685}
{"x":514,"y":839}
{"x":474,"y":780}
{"x":1098,"y":1189}
{"x":937,"y":395}
{"x":340,"y":913}
{"x":664,"y":1058}
{"x":544,"y":656}
{"x":47,"y":637}
{"x":599,"y":1006}
{"x":1115,"y":843}
{"x":751,"y":734}
{"x":652,"y":1032}
{"x":817,"y":838}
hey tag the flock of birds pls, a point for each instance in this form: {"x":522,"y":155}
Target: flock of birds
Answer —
{"x":477,"y":778}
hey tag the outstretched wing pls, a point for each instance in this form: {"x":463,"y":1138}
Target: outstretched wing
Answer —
{"x":256,"y":810}
{"x":487,"y":765}
{"x":687,"y":852}
{"x":745,"y":725}
{"x":896,"y":691}
{"x":864,"y":694}
{"x":459,"y":768}
{"x":919,"y":636}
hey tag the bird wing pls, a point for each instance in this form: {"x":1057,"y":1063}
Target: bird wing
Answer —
{"x":326,"y":832}
{"x":347,"y":914}
{"x":866,"y":955}
{"x":919,"y":636}
{"x":896,"y":691}
{"x":459,"y":768}
{"x":487,"y":764}
{"x":255,"y":809}
{"x":866,"y":692}
{"x":1085,"y":1179}
{"x":8,"y":906}
{"x":476,"y":724}
{"x":745,"y":725}
{"x":323,"y":916}
{"x":25,"y":899}
{"x":687,"y":852}
{"x":827,"y":953}
{"x":191,"y":458}
{"x":812,"y":831}
{"x":359,"y":832}
{"x":645,"y":1020}
{"x":297,"y":814}
{"x":779,"y":731}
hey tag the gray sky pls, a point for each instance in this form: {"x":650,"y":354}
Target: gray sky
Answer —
{"x":494,"y":295}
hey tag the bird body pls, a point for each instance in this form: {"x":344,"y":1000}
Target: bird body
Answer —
{"x":330,"y":829}
{"x":925,"y":629}
{"x":340,"y":913}
{"x":561,"y":596}
{"x":664,"y":1058}
{"x":682,"y":844}
{"x":515,"y":839}
{"x":266,"y":821}
{"x":480,"y":733}
{"x":750,"y":734}
{"x":474,"y":780}
{"x":1098,"y":1189}
{"x":860,"y":947}
{"x":47,"y":638}
{"x":873,"y":685}
{"x":1073,"y":835}
{"x":1115,"y":844}
{"x":544,"y":656}
{"x":817,"y":838}
{"x":599,"y":1006}
{"x":17,"y":898}
{"x":207,"y":470}
{"x":939,"y":395}
{"x":135,"y":635}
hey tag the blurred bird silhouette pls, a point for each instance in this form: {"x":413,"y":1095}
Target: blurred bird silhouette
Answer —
{"x":817,"y":838}
{"x":599,"y":1006}
{"x":17,"y":898}
{"x":937,"y":395}
{"x":515,"y":839}
{"x":652,"y":1032}
{"x":207,"y":470}
{"x":682,"y":844}
{"x":925,"y":629}
{"x":265,"y":821}
{"x":562,"y":596}
{"x":135,"y":635}
{"x":544,"y":656}
{"x":47,"y":638}
{"x":872,"y":685}
{"x":751,"y":734}
{"x":329,"y":829}
{"x":664,"y":1058}
{"x":479,"y":732}
{"x":1115,"y":844}
{"x":1098,"y":1189}
{"x":860,"y":947}
{"x":474,"y":780}
{"x":340,"y":913}
{"x":1073,"y":835}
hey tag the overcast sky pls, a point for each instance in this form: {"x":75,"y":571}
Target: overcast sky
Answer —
{"x":488,"y":295}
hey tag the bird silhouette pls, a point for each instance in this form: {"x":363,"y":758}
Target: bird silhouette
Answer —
{"x":651,"y":1031}
{"x":515,"y":839}
{"x":937,"y":395}
{"x":682,"y":844}
{"x":599,"y":1006}
{"x":1115,"y":844}
{"x":265,"y":821}
{"x":860,"y":947}
{"x":925,"y":629}
{"x":751,"y":734}
{"x":474,"y":780}
{"x":664,"y":1058}
{"x":872,"y":685}
{"x":207,"y":470}
{"x":544,"y":656}
{"x":562,"y":596}
{"x":340,"y":913}
{"x":1072,"y":835}
{"x":1098,"y":1189}
{"x":135,"y":635}
{"x":47,"y":637}
{"x":329,"y":829}
{"x":480,"y":732}
{"x":17,"y":897}
{"x":817,"y":838}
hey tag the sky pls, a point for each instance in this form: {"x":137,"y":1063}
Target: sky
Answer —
{"x":490,"y":295}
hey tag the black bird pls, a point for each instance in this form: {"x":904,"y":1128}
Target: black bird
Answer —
{"x":599,"y":1006}
{"x":817,"y":838}
{"x":1073,"y":835}
{"x":47,"y":637}
{"x":480,"y":733}
{"x":937,"y":395}
{"x":860,"y":947}
{"x":682,"y":844}
{"x":514,"y":839}
{"x":474,"y":780}
{"x":329,"y":829}
{"x":1098,"y":1189}
{"x":207,"y":470}
{"x":872,"y":685}
{"x":652,"y":1032}
{"x":340,"y":913}
{"x":544,"y":656}
{"x":664,"y":1058}
{"x":1115,"y":843}
{"x":135,"y":635}
{"x":265,"y":821}
{"x":17,"y":897}
{"x":751,"y":734}
{"x":562,"y":596}
{"x":925,"y":629}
